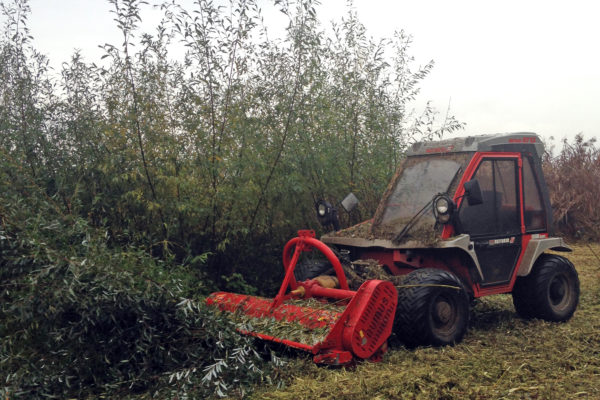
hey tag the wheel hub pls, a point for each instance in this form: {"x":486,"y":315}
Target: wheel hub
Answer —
{"x":443,"y":312}
{"x":558,"y":290}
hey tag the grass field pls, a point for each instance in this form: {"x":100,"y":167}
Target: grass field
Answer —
{"x":501,"y":357}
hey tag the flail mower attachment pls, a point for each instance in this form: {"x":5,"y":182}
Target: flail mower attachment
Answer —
{"x":352,"y":325}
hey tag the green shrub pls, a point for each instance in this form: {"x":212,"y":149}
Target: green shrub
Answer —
{"x":79,"y":318}
{"x":222,"y":151}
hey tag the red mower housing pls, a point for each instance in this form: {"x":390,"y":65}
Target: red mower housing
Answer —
{"x":359,"y":331}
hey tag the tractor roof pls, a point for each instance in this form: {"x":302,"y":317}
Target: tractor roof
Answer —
{"x":517,"y":142}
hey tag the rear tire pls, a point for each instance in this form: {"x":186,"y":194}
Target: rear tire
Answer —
{"x":550,"y":291}
{"x":433,"y":309}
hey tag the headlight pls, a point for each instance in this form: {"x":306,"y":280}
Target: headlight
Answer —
{"x":322,"y":210}
{"x":327,"y":214}
{"x":442,"y":206}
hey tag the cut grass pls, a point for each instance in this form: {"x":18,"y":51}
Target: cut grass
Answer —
{"x":321,"y":314}
{"x":502,"y":357}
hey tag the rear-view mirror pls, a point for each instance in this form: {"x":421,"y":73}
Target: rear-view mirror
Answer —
{"x":350,"y":202}
{"x":473,"y":192}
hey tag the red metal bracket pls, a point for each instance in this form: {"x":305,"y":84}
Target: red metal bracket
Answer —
{"x":306,"y":233}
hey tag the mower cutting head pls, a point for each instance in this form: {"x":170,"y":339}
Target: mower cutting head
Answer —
{"x":356,"y":324}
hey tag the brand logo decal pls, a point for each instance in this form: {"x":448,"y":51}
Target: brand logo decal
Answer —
{"x":524,"y":139}
{"x":444,"y":149}
{"x":495,"y":242}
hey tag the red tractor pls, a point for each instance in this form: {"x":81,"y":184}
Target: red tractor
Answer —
{"x":461,"y":219}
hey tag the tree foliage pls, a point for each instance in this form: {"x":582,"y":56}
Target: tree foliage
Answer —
{"x":573,"y":177}
{"x":138,"y":180}
{"x":226,"y":148}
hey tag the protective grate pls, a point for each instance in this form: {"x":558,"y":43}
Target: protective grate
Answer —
{"x":376,"y":316}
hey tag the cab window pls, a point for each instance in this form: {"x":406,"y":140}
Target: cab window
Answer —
{"x":533,"y":210}
{"x":498,"y":215}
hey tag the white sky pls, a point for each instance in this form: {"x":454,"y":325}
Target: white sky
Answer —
{"x":509,"y":65}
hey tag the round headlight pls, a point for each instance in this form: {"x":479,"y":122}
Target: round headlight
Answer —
{"x":442,"y":206}
{"x":322,"y":210}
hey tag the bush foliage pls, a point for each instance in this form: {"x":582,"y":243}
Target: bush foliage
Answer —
{"x":80,"y":318}
{"x":573,"y":178}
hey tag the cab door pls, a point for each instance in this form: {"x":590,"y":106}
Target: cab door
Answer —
{"x":495,"y":225}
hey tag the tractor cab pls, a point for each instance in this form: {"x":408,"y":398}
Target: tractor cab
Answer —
{"x":485,"y":195}
{"x":472,"y":212}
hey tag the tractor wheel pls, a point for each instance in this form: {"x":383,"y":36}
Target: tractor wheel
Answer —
{"x":310,"y":269}
{"x":433,"y":309}
{"x":550,"y":291}
{"x":521,"y":300}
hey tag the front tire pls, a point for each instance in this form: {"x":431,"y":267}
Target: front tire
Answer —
{"x":550,"y":291}
{"x":433,"y":309}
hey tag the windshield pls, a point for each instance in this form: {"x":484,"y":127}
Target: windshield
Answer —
{"x":417,"y":186}
{"x":421,"y":178}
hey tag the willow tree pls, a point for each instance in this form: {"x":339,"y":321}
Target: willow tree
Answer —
{"x":214,"y":158}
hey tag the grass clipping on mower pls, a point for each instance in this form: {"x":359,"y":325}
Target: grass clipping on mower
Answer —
{"x":290,"y":330}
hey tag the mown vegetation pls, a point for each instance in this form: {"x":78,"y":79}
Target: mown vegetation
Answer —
{"x":132,"y":186}
{"x":501,"y":357}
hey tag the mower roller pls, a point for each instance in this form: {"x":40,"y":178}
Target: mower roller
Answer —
{"x":355,"y":326}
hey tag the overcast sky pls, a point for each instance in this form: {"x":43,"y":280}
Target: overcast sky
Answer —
{"x":502,"y":66}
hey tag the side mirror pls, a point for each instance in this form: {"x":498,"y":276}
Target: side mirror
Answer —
{"x":473,"y":192}
{"x":350,"y":202}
